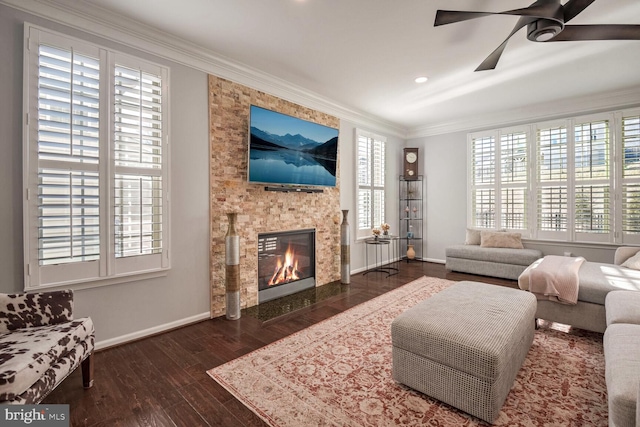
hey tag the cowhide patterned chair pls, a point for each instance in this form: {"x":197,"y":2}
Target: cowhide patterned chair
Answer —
{"x":41,"y":344}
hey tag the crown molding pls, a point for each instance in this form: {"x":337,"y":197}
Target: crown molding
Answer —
{"x":106,"y":24}
{"x":577,"y":106}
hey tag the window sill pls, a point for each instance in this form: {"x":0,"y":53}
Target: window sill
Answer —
{"x":565,"y":243}
{"x":100,"y":282}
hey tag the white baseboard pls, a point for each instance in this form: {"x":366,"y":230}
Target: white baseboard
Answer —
{"x":100,"y":345}
{"x":363,"y":269}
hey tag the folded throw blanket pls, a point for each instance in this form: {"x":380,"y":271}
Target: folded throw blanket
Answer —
{"x":556,"y":279}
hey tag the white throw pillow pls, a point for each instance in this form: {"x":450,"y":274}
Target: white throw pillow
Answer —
{"x":499,"y":239}
{"x":633,"y":262}
{"x":473,"y":237}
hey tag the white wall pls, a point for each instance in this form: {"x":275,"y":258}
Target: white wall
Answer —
{"x":443,"y":164}
{"x":123,"y":311}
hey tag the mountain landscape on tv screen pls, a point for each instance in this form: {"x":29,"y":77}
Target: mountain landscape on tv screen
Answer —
{"x":262,"y":140}
{"x":304,"y":161}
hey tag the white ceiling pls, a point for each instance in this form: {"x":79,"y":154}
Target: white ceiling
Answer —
{"x":365,"y":54}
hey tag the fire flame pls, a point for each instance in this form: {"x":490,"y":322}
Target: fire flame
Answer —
{"x":287,"y":271}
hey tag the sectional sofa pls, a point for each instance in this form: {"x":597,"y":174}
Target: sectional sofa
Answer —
{"x":609,"y":302}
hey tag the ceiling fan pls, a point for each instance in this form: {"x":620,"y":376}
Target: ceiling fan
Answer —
{"x":545,"y":21}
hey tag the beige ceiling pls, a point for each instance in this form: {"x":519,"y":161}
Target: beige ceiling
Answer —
{"x":365,"y":54}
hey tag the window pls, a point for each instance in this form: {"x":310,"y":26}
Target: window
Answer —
{"x":499,"y":180}
{"x":95,"y":162}
{"x":574,"y":180}
{"x":557,"y":180}
{"x":371,"y":179}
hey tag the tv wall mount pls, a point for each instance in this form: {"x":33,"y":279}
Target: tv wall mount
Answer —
{"x":287,"y":189}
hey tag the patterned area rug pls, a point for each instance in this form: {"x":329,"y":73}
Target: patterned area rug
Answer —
{"x":338,"y":373}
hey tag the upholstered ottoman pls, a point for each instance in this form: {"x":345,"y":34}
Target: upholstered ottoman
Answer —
{"x":465,"y":345}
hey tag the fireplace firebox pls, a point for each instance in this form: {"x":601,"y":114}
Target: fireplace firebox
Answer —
{"x":286,"y":263}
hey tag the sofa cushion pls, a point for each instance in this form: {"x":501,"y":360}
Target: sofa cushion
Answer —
{"x":26,"y":354}
{"x":622,"y":371}
{"x":623,"y":307}
{"x":499,"y":255}
{"x":598,"y":279}
{"x":33,"y":310}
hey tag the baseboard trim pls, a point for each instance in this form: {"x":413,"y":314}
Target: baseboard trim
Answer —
{"x":123,"y":339}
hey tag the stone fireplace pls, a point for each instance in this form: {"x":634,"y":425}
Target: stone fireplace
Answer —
{"x":259,"y":211}
{"x":286,"y":263}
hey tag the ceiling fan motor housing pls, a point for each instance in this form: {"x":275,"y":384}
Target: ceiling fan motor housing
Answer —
{"x":542,"y":29}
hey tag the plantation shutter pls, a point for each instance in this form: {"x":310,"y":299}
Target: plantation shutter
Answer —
{"x":514,"y":180}
{"x":483,"y":194}
{"x":138,"y":162}
{"x":592,"y":198}
{"x":630,"y":179}
{"x":552,"y":173}
{"x":68,"y":144}
{"x":364,"y":183}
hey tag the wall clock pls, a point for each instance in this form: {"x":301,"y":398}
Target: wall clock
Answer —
{"x":410,"y":163}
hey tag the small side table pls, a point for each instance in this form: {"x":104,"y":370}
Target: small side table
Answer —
{"x":391,"y":244}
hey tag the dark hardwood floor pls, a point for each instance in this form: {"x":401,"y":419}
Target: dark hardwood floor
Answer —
{"x":162,"y":380}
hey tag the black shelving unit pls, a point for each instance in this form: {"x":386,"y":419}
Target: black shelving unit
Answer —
{"x":411,"y":216}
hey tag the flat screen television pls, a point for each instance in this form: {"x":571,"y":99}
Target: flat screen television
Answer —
{"x":288,"y":151}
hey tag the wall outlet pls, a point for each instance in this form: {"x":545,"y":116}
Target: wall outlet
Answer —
{"x":567,"y":254}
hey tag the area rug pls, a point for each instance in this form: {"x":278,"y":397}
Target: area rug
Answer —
{"x":338,"y":373}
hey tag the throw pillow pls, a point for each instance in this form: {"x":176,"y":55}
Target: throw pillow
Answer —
{"x":498,"y":239}
{"x":473,"y":237}
{"x":633,"y":262}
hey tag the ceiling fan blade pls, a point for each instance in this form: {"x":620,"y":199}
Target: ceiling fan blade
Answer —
{"x":547,"y":10}
{"x":444,"y":17}
{"x":574,"y":7}
{"x":492,"y":60}
{"x":598,"y":32}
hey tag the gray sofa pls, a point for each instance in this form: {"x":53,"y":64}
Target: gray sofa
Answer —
{"x":506,"y":263}
{"x":622,"y":357}
{"x":596,"y":280}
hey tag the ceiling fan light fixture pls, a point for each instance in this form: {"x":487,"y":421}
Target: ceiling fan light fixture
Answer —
{"x":542,"y":30}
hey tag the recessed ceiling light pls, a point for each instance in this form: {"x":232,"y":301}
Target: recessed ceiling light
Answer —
{"x":421,"y":79}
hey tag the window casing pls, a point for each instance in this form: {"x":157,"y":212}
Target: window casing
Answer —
{"x":95,"y":163}
{"x":581,"y":182}
{"x":371,"y":181}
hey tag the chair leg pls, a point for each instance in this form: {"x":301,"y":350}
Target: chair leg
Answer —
{"x":87,"y":371}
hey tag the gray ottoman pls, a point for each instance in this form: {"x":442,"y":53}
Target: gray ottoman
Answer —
{"x":465,"y":345}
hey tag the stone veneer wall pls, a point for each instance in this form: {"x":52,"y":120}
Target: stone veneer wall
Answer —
{"x":260,"y":211}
